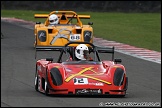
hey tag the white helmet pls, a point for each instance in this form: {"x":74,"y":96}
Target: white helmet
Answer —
{"x":81,"y":52}
{"x":53,"y":19}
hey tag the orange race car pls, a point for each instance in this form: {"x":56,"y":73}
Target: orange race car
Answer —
{"x":69,"y":28}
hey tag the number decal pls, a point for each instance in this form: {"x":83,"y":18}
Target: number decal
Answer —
{"x":74,"y":37}
{"x":80,"y":81}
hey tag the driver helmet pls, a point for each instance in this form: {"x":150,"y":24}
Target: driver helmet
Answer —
{"x":53,"y":19}
{"x":82,"y":52}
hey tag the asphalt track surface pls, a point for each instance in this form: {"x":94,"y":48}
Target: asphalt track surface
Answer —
{"x":18,"y":69}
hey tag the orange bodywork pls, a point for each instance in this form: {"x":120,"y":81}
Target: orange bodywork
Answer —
{"x":70,"y":28}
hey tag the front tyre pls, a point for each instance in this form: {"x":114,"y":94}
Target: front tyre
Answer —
{"x":36,"y":81}
{"x":46,"y":88}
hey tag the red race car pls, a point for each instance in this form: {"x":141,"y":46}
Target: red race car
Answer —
{"x":83,"y":77}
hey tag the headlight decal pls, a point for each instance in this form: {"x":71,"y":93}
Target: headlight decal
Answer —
{"x":42,"y":35}
{"x":56,"y":76}
{"x":87,"y":36}
{"x":118,"y":77}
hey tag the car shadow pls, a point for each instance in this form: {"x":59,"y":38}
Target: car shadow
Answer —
{"x":86,"y":96}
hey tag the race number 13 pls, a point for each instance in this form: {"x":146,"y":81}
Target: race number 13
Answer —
{"x":80,"y":81}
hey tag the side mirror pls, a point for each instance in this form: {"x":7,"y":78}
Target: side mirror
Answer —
{"x":49,"y":59}
{"x":90,"y":23}
{"x":117,"y":61}
{"x":38,"y":22}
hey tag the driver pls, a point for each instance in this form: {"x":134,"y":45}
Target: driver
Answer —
{"x":82,"y":52}
{"x":53,"y":19}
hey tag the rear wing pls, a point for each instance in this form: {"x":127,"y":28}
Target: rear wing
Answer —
{"x":106,"y":50}
{"x":59,"y":15}
{"x":47,"y":48}
{"x":93,"y":48}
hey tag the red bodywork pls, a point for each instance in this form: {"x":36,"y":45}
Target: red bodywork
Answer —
{"x":101,"y":78}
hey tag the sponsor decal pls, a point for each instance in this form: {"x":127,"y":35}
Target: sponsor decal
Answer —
{"x":68,"y":70}
{"x":96,"y":84}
